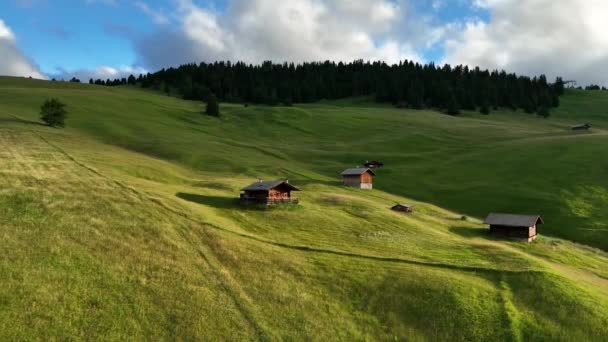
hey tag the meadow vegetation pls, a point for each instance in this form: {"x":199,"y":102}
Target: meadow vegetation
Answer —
{"x":124,"y":225}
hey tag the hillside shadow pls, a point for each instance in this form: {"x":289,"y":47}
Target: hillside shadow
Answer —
{"x":212,"y":201}
{"x":22,"y":121}
{"x":471,"y":232}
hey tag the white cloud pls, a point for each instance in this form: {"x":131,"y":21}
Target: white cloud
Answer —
{"x":12,"y":61}
{"x":296,"y":30}
{"x":156,"y":16}
{"x":566,"y":38}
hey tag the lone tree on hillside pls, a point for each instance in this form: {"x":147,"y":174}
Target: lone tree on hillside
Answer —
{"x":53,"y":113}
{"x":213,"y":106}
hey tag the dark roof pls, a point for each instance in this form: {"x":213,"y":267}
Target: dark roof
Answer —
{"x":403,"y":205}
{"x":510,"y":220}
{"x":266,"y":186}
{"x":373,"y":162}
{"x":357,"y":172}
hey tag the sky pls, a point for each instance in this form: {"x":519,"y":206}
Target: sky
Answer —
{"x":114,"y":38}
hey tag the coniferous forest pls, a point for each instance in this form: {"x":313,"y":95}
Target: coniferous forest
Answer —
{"x":406,"y":84}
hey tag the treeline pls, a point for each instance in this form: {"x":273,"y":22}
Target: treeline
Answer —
{"x":131,"y":80}
{"x":406,"y":84}
{"x":595,"y":87}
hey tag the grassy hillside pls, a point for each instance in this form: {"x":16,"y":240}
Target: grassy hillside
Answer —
{"x":124,"y":225}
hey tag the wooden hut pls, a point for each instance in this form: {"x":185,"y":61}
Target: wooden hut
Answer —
{"x":359,"y":178}
{"x":514,"y":226}
{"x":268,"y":193}
{"x":583,"y":127}
{"x":403,"y":208}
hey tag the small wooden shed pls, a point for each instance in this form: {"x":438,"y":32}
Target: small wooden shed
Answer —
{"x":403,"y":208}
{"x":583,"y":127}
{"x":269,"y":193}
{"x":359,"y":178}
{"x":514,"y":226}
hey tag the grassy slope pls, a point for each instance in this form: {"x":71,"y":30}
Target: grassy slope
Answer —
{"x":103,"y":241}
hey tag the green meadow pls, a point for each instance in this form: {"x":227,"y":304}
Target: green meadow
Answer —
{"x":125,"y":225}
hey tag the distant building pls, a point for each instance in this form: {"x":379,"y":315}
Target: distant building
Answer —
{"x":514,"y":226}
{"x":373,"y":164}
{"x":404,"y":208}
{"x":584,"y":127}
{"x":268,"y":193}
{"x":359,"y":178}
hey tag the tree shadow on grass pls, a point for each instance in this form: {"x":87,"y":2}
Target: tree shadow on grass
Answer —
{"x":471,"y":232}
{"x":22,"y":121}
{"x":212,"y":201}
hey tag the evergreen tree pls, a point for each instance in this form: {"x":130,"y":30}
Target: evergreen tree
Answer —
{"x":213,"y":106}
{"x":543,"y":111}
{"x":53,"y":113}
{"x":453,"y":108}
{"x":485,"y":108}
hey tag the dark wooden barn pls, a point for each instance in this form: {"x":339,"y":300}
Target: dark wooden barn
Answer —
{"x":359,"y":178}
{"x":373,"y":164}
{"x":584,"y":127}
{"x":269,"y":193}
{"x":403,"y":208}
{"x":514,"y":226}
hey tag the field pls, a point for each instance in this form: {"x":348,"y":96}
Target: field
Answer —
{"x":124,"y":224}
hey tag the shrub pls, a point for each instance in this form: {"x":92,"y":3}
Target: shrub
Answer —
{"x":53,"y":113}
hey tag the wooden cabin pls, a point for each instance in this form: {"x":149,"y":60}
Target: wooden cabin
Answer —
{"x":373,"y":164}
{"x":359,"y":178}
{"x":268,"y":193}
{"x":584,"y":127}
{"x":522,"y":227}
{"x":403,"y":208}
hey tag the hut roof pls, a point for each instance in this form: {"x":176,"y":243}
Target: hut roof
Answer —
{"x":266,"y":186}
{"x":409,"y":206}
{"x":371,"y":163}
{"x":510,"y":220}
{"x":582,"y":126}
{"x":357,"y":172}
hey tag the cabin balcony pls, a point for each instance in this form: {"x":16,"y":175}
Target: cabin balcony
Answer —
{"x":249,"y":200}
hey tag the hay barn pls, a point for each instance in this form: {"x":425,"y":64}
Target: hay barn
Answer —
{"x":514,"y":226}
{"x":269,"y":193}
{"x":359,"y":178}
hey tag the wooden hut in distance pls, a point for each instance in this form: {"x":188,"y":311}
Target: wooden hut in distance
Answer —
{"x":268,"y":193}
{"x":514,"y":226}
{"x":362,"y":178}
{"x":403,"y":208}
{"x":580,"y":128}
{"x":373,"y":164}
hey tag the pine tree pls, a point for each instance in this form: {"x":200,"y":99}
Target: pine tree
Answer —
{"x":485,"y":108}
{"x":213,"y":106}
{"x":452,"y":108}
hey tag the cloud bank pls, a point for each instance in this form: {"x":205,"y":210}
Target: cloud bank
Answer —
{"x":566,"y":37}
{"x":12,"y":61}
{"x":557,"y":38}
{"x":297,"y":30}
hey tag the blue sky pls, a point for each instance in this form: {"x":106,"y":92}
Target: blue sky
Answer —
{"x":112,"y":37}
